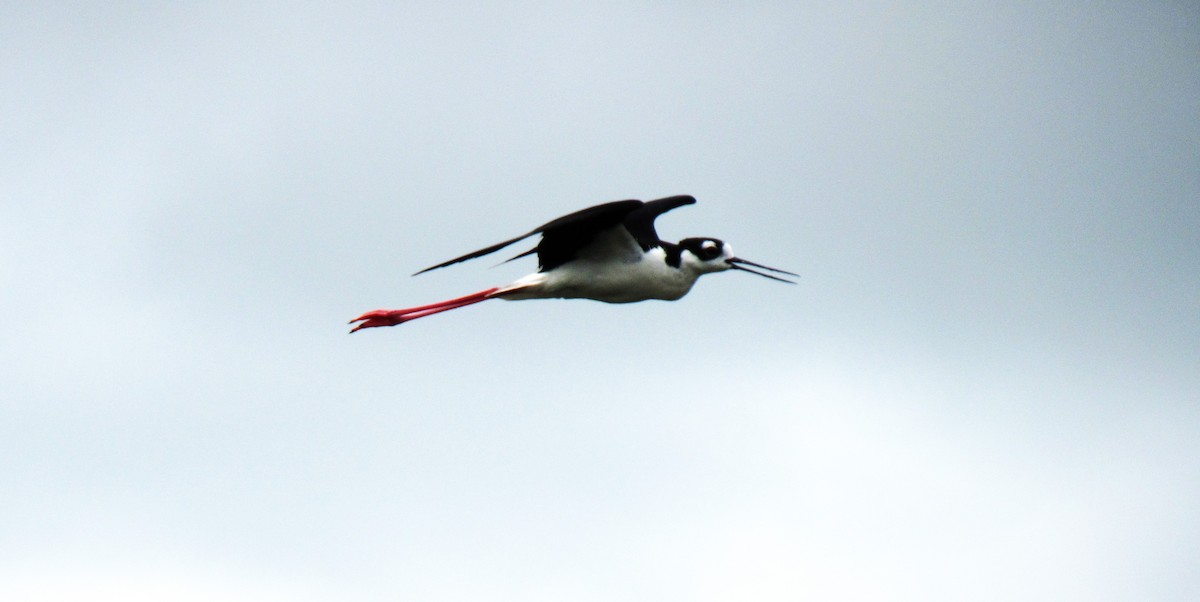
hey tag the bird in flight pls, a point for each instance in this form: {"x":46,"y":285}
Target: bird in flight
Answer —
{"x":608,"y":253}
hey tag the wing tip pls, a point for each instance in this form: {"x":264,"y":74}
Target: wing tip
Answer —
{"x":678,"y":200}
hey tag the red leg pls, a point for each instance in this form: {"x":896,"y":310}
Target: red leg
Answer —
{"x":392,"y":317}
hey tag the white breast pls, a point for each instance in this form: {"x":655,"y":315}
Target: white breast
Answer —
{"x":613,"y":269}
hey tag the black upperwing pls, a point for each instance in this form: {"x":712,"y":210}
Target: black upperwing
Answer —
{"x":640,"y":221}
{"x":563,"y":237}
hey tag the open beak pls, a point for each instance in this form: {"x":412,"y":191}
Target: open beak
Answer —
{"x":737,"y":263}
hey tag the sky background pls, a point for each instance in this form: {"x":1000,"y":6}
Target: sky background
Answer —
{"x":984,"y":387}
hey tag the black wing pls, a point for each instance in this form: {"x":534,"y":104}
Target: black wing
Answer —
{"x":640,"y":221}
{"x":563,"y":237}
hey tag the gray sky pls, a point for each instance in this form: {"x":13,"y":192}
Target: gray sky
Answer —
{"x":984,"y":387}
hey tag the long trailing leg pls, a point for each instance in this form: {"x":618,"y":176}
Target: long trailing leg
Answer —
{"x":392,"y":317}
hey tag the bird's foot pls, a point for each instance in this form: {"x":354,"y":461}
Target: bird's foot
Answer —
{"x":381,"y":317}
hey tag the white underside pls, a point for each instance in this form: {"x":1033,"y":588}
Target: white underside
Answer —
{"x":613,"y":270}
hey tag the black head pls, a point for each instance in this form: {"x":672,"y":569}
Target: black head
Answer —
{"x":706,"y":255}
{"x":705,"y":249}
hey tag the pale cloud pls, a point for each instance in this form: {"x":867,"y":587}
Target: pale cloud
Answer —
{"x":983,"y":386}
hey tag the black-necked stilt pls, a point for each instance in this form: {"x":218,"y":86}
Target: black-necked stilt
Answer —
{"x":609,"y":253}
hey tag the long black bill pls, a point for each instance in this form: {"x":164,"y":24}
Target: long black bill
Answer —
{"x":738,"y":263}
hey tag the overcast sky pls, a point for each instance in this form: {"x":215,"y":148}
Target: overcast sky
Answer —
{"x":984,"y":387}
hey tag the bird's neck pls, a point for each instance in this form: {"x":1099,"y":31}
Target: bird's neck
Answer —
{"x":674,"y":254}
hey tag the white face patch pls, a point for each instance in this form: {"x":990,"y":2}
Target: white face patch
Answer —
{"x":708,"y":245}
